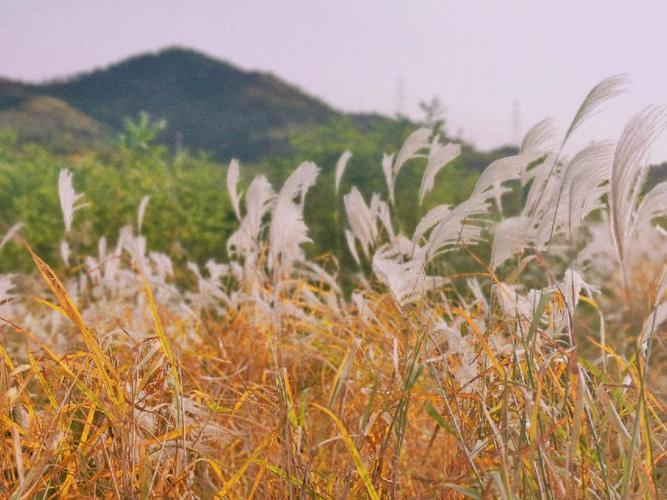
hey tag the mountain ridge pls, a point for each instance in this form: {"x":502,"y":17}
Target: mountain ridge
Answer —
{"x":208,"y":104}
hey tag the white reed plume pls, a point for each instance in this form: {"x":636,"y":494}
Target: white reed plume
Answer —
{"x":629,"y":170}
{"x":141,"y":212}
{"x":440,"y":155}
{"x":288,"y":231}
{"x":68,"y":198}
{"x":232,"y":184}
{"x":13,"y":231}
{"x":340,"y":167}
{"x":417,"y":141}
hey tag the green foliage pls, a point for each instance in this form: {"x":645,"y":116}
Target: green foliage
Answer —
{"x":208,"y":105}
{"x":189,"y":213}
{"x":367,"y":142}
{"x":140,"y":134}
{"x":50,"y":122}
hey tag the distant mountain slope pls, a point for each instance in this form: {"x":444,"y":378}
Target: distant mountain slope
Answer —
{"x":208,"y":104}
{"x":53,"y":123}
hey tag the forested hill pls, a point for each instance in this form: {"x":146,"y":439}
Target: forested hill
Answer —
{"x":208,"y":105}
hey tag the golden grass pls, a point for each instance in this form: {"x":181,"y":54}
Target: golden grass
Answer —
{"x":326,"y":406}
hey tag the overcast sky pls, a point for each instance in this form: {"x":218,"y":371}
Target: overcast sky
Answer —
{"x":478,"y":57}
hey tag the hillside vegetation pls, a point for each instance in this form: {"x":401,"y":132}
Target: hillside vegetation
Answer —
{"x":52,"y":123}
{"x":507,"y":343}
{"x":208,"y":105}
{"x":189,"y":214}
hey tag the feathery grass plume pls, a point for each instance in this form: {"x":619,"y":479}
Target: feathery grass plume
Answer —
{"x":362,"y":218}
{"x":517,"y":306}
{"x":511,"y":236}
{"x":233,"y":175}
{"x":388,"y":171}
{"x":439,"y":156}
{"x":599,"y":253}
{"x":404,"y":245}
{"x":460,"y":354}
{"x":141,"y":212}
{"x":383,"y":212}
{"x":210,"y":289}
{"x":405,"y":277}
{"x":352,"y":245}
{"x":11,"y":232}
{"x":602,"y":92}
{"x":418,"y":140}
{"x":494,"y":177}
{"x":65,"y":251}
{"x":539,"y":138}
{"x":652,"y":206}
{"x":259,"y":200}
{"x":135,"y":246}
{"x":536,"y":144}
{"x":429,"y":220}
{"x":586,"y":181}
{"x":535,"y":153}
{"x":259,"y":197}
{"x":7,"y":300}
{"x":340,"y":168}
{"x":288,"y":231}
{"x":572,"y":286}
{"x":361,"y":304}
{"x":68,"y":198}
{"x":544,"y":184}
{"x":163,"y":265}
{"x":460,"y":226}
{"x":577,"y":190}
{"x":298,"y":183}
{"x":629,"y":169}
{"x":420,"y":374}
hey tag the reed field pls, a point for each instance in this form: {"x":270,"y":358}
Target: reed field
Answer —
{"x":508,"y":346}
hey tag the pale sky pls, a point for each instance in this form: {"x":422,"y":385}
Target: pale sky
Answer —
{"x":478,"y":57}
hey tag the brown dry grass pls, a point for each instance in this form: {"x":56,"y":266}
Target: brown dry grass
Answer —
{"x":326,"y":406}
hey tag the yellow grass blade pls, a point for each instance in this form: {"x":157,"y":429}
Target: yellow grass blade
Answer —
{"x":40,"y":376}
{"x":356,"y":457}
{"x":239,"y":473}
{"x":482,"y":340}
{"x":164,"y":342}
{"x":106,"y":370}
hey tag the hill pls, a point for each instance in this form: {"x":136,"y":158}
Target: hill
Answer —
{"x":208,"y":104}
{"x":53,"y":123}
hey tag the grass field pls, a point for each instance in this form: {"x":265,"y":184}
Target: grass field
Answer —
{"x":485,"y":355}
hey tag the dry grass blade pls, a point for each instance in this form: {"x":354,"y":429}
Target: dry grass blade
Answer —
{"x":427,"y":370}
{"x":105,"y":368}
{"x":239,"y":473}
{"x":164,"y":341}
{"x":358,"y":462}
